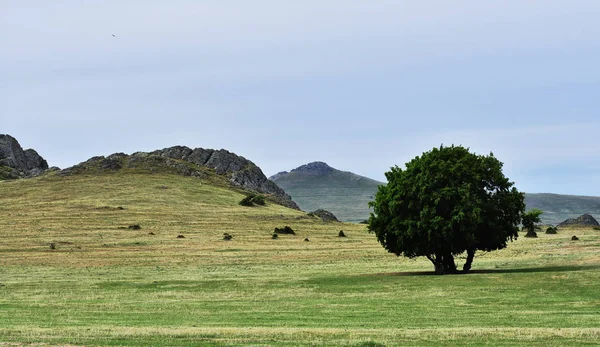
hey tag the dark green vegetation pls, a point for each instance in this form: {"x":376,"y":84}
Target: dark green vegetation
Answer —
{"x":319,"y":186}
{"x":6,"y":173}
{"x":106,"y":285}
{"x":253,"y":199}
{"x":446,"y":202}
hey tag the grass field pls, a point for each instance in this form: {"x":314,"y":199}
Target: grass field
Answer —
{"x":106,"y":285}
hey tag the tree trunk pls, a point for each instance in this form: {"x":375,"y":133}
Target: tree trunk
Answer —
{"x":438,"y":264}
{"x":469,"y":262}
{"x":449,"y":264}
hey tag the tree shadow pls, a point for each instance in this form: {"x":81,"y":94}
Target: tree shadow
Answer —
{"x":562,"y":268}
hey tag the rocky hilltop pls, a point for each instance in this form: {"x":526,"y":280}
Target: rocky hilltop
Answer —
{"x":317,"y":186}
{"x":583,"y":220}
{"x":18,"y":163}
{"x":239,"y":171}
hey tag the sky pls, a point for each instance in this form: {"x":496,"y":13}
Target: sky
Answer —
{"x":361,"y":85}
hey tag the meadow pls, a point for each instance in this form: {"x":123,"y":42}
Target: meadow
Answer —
{"x":73,"y":273}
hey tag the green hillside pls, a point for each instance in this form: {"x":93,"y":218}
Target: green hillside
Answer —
{"x":73,"y":272}
{"x":317,"y":185}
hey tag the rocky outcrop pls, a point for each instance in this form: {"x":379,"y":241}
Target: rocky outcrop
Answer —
{"x":325,"y":215}
{"x":314,"y":168}
{"x":185,"y":161}
{"x":583,"y":220}
{"x":16,"y":162}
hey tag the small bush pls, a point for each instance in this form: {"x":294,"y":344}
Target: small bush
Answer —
{"x":574,"y":238}
{"x":285,"y":230}
{"x":306,"y":239}
{"x":53,"y":245}
{"x":551,"y":230}
{"x":596,"y":228}
{"x":253,"y":199}
{"x":134,"y":227}
{"x":369,"y":344}
{"x":180,"y":237}
{"x":341,"y":234}
{"x":227,"y":237}
{"x":274,"y":236}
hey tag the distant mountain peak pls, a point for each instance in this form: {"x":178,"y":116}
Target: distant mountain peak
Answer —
{"x":314,"y":168}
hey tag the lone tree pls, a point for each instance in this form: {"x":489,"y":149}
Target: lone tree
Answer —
{"x":446,"y":202}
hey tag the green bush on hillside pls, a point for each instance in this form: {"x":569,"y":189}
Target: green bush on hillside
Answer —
{"x":253,"y":199}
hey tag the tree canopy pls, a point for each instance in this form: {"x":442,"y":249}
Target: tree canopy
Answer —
{"x":446,"y":202}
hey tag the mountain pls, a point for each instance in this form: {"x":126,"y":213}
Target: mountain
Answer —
{"x":216,"y":166}
{"x":16,"y":162}
{"x":319,"y":186}
{"x":557,"y":208}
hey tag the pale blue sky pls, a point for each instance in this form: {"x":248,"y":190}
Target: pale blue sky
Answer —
{"x":361,"y":85}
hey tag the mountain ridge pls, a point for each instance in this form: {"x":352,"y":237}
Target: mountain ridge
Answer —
{"x":312,"y":191}
{"x":239,"y":171}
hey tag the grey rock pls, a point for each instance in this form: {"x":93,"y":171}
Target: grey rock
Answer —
{"x":583,"y":220}
{"x":20,"y":163}
{"x":314,"y":168}
{"x":325,"y":215}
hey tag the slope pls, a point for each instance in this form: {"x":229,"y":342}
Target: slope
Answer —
{"x":317,"y":185}
{"x":558,"y":208}
{"x":73,"y":273}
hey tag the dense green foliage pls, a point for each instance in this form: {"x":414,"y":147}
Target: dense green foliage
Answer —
{"x":253,"y":199}
{"x":446,"y":202}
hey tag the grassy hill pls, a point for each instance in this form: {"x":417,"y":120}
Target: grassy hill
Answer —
{"x":73,"y":273}
{"x":343,"y":193}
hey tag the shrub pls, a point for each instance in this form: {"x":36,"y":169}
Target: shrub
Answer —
{"x":551,"y":230}
{"x":285,"y":230}
{"x":253,"y":199}
{"x":341,"y":234}
{"x":227,"y":237}
{"x":134,"y":227}
{"x":274,"y":236}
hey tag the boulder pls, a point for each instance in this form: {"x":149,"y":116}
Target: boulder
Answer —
{"x":325,"y":215}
